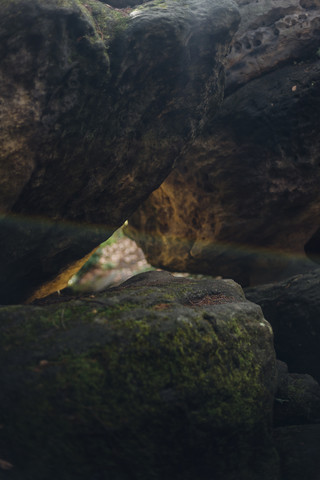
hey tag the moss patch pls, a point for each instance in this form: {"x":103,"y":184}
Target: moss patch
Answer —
{"x":115,"y":386}
{"x":108,"y":21}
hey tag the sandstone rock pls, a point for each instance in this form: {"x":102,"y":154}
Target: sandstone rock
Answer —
{"x":244,"y":200}
{"x":96,"y":104}
{"x":293,"y":309}
{"x":161,"y":377}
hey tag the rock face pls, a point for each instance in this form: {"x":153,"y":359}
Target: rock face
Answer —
{"x":296,"y":408}
{"x":297,"y":399}
{"x":148,"y":380}
{"x":244,"y":200}
{"x":293,"y":309}
{"x":96,"y":104}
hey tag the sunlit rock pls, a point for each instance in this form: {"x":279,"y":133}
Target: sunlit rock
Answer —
{"x":244,"y":200}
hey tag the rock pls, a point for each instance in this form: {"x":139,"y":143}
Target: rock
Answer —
{"x":297,"y":406}
{"x":297,"y":399}
{"x":312,"y":247}
{"x":124,"y":3}
{"x":299,"y":447}
{"x":96,"y":104}
{"x":293,"y":309}
{"x":271,"y":35}
{"x":161,"y":377}
{"x":244,"y":200}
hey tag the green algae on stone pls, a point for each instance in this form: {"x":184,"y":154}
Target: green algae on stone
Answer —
{"x":116,"y":387}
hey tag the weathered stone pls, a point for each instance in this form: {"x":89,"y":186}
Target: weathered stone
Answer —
{"x":159,"y":378}
{"x":96,"y":104}
{"x":293,"y":309}
{"x":272,"y":34}
{"x":244,"y":200}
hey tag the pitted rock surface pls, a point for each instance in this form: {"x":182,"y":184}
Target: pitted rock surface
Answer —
{"x":271,"y":34}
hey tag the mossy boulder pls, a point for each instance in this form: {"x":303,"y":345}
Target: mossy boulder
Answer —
{"x":162,"y":377}
{"x":96,"y":104}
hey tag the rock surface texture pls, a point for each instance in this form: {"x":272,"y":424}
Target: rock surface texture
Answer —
{"x":244,"y":200}
{"x":96,"y":104}
{"x":297,"y":399}
{"x":293,"y":309}
{"x":297,"y":424}
{"x":161,"y":377}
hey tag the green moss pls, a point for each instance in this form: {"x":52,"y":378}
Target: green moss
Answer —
{"x":161,"y":389}
{"x":108,"y":21}
{"x":18,"y":330}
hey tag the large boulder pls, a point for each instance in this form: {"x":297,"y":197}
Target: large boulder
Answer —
{"x":293,"y":309}
{"x":96,"y":104}
{"x":162,"y":378}
{"x":245,"y":200}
